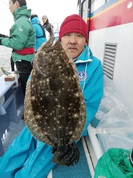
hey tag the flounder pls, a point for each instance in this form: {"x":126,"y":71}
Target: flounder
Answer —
{"x":54,"y":108}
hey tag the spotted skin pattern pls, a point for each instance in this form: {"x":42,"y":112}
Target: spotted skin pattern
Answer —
{"x":54,"y":105}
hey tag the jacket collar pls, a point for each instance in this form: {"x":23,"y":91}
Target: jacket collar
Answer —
{"x":85,"y":56}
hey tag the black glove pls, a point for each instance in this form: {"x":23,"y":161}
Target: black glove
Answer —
{"x":0,"y":41}
{"x":1,"y":35}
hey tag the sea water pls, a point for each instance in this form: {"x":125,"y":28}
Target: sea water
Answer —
{"x":5,"y":55}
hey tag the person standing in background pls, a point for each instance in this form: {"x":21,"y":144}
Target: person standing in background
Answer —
{"x":48,"y":26}
{"x":21,"y":40}
{"x":39,"y":31}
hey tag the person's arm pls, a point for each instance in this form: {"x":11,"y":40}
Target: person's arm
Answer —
{"x":19,"y":34}
{"x":2,"y":36}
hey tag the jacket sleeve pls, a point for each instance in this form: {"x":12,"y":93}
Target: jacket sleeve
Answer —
{"x":93,"y":93}
{"x":19,"y":34}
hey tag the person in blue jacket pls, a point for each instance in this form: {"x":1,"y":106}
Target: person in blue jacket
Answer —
{"x":39,"y":31}
{"x":30,"y":158}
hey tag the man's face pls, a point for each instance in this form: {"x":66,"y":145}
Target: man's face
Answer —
{"x":73,"y":44}
{"x":44,"y":20}
{"x":12,"y":6}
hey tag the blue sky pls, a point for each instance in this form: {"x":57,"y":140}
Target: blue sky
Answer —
{"x":56,"y":10}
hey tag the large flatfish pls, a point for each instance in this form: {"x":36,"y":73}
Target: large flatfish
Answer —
{"x":54,"y":105}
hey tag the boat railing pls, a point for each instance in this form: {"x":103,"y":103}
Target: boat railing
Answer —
{"x":11,"y":106}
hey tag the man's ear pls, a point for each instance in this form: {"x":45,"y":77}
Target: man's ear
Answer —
{"x":17,"y":4}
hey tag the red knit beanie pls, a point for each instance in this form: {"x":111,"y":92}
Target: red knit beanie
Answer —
{"x":73,"y":23}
